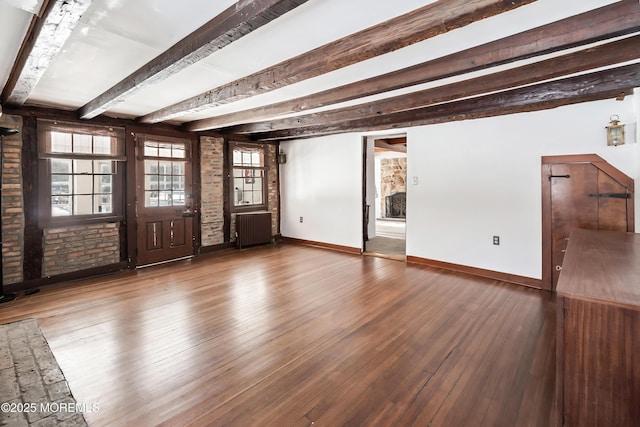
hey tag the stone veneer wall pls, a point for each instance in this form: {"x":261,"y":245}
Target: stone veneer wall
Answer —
{"x":12,"y":203}
{"x":68,"y":249}
{"x":393,"y":174}
{"x":212,"y":190}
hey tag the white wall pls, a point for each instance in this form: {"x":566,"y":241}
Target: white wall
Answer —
{"x":476,"y":179}
{"x":481,"y":178}
{"x":322,"y":182}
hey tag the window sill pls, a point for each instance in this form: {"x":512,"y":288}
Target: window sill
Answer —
{"x":59,"y":222}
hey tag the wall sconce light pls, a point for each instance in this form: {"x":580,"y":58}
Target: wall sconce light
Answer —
{"x":282,"y":158}
{"x":615,"y":131}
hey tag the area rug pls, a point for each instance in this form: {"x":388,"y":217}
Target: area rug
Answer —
{"x":33,"y":390}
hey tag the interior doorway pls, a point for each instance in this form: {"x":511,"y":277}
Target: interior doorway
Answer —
{"x":385,"y":196}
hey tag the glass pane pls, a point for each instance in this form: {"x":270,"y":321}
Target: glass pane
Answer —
{"x":103,"y":166}
{"x":151,"y":167}
{"x":178,"y":151}
{"x":237,"y":157}
{"x":164,"y":168}
{"x":151,"y":199}
{"x":151,"y":149}
{"x":60,"y":166}
{"x":82,"y":204}
{"x":256,"y":159}
{"x":164,"y":150}
{"x":246,"y":158}
{"x":103,"y":184}
{"x":178,"y":168}
{"x":60,"y":205}
{"x":102,"y":145}
{"x":178,"y":198}
{"x":83,"y":166}
{"x":82,"y":143}
{"x":103,"y":204}
{"x":60,"y":142}
{"x":257,"y":197}
{"x":60,"y":184}
{"x":178,"y":183}
{"x":83,"y":184}
{"x":164,"y":198}
{"x":164,"y":182}
{"x":151,"y":182}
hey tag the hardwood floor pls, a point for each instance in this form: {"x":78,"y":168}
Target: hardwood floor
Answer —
{"x":294,"y":335}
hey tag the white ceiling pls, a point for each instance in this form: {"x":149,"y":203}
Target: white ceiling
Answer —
{"x":116,"y":37}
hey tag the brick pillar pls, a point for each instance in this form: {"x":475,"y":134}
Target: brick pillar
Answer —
{"x":12,"y":203}
{"x":212,"y":190}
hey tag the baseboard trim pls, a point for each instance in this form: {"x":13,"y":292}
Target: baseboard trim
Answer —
{"x":66,"y":277}
{"x":216,"y":248}
{"x":489,"y":274}
{"x":340,"y":248}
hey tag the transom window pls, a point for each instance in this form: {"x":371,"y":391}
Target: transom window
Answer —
{"x":164,"y":173}
{"x":82,"y":180}
{"x":248,"y":166}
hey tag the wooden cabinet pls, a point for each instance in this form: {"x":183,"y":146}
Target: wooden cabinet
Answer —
{"x":598,"y":340}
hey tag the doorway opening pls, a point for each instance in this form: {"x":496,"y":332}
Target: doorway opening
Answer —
{"x":385,"y":196}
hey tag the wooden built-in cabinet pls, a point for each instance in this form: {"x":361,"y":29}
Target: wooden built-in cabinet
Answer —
{"x":598,"y":340}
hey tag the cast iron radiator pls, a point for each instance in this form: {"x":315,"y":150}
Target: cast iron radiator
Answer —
{"x":253,"y":228}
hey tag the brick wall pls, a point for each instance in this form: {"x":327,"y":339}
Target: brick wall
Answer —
{"x":68,"y":249}
{"x":12,"y":203}
{"x":271,"y":160}
{"x":212,"y":197}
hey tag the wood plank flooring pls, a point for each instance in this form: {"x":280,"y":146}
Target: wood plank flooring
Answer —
{"x":293,"y":335}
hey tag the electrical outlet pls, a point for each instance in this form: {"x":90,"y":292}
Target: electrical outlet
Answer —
{"x":301,"y":219}
{"x":496,"y":240}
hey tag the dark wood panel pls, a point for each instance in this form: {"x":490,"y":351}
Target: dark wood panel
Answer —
{"x":396,"y":33}
{"x":599,"y":330}
{"x":571,"y":206}
{"x":601,"y":379}
{"x":605,"y":84}
{"x":294,"y":335}
{"x":235,"y":22}
{"x":600,"y":24}
{"x":612,"y":211}
{"x":602,"y":265}
{"x":608,"y":54}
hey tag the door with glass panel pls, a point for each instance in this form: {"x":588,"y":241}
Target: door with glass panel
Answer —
{"x":164,"y":199}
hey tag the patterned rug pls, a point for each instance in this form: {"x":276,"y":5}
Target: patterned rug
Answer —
{"x":33,"y":390}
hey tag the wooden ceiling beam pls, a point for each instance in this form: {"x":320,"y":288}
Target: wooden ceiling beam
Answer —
{"x":46,"y":37}
{"x":600,"y":56}
{"x":418,"y":25}
{"x":600,"y":24}
{"x":605,"y":84}
{"x":235,"y":22}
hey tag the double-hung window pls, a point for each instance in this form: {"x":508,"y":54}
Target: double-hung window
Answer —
{"x":82,"y":179}
{"x":248,"y":177}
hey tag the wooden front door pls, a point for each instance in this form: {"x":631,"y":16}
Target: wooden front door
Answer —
{"x":583,"y":194}
{"x":164,"y":199}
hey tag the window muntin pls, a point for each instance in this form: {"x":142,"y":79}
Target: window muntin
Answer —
{"x":164,"y":174}
{"x":248,"y":176}
{"x":81,"y":186}
{"x":82,"y":179}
